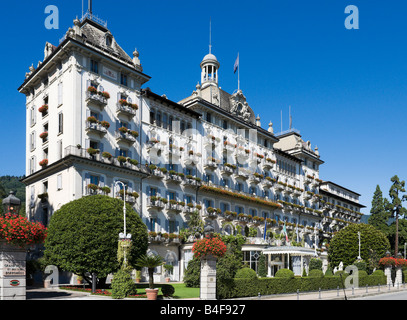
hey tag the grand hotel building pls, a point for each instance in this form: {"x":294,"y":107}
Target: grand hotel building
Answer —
{"x":91,"y":122}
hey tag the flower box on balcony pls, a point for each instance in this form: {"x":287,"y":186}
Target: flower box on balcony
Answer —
{"x":43,"y":109}
{"x":44,"y":163}
{"x":44,"y":135}
{"x":93,"y":151}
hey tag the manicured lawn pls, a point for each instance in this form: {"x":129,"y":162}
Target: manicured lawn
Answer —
{"x":182,"y":292}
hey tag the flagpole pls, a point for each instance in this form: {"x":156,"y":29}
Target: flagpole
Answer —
{"x":238,"y":73}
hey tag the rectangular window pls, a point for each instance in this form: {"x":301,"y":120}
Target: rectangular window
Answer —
{"x":59,"y":182}
{"x":172,"y":227}
{"x":60,"y":123}
{"x":60,"y":93}
{"x":123,"y":79}
{"x":94,"y":180}
{"x":94,"y":66}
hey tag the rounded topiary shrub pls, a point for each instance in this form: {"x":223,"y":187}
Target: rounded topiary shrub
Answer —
{"x":122,"y":285}
{"x":344,"y":246}
{"x":378,"y":273}
{"x":284,"y":273}
{"x":315,"y":264}
{"x":246,"y":273}
{"x":315,"y":273}
{"x":167,"y":290}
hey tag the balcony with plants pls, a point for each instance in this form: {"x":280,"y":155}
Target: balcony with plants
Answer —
{"x":192,"y":181}
{"x":192,"y":158}
{"x":130,"y":196}
{"x":268,"y":163}
{"x":211,"y":213}
{"x":256,"y":178}
{"x":44,"y":137}
{"x":99,"y":98}
{"x":154,"y":202}
{"x":126,"y":135}
{"x":228,"y":146}
{"x":104,"y":157}
{"x":227,"y":168}
{"x":43,"y":163}
{"x":242,"y":173}
{"x":173,"y":176}
{"x":43,"y":110}
{"x":157,"y":172}
{"x":93,"y":189}
{"x":124,"y":108}
{"x":191,"y":208}
{"x":93,"y":125}
{"x":174,"y":206}
{"x":210,"y":141}
{"x":211,"y":164}
{"x":268,"y":182}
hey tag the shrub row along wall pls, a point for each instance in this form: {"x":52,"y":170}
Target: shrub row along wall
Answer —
{"x":239,"y":288}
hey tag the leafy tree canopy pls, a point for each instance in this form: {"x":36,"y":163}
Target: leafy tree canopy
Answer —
{"x":83,"y":236}
{"x":344,"y":246}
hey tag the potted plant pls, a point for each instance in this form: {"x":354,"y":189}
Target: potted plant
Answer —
{"x":138,"y":276}
{"x":92,"y":90}
{"x":44,"y":163}
{"x":43,"y":109}
{"x":150,"y":262}
{"x":168,"y":270}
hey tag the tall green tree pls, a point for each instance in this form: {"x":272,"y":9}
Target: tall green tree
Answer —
{"x":83,"y":236}
{"x":379,"y":216}
{"x":395,"y":206}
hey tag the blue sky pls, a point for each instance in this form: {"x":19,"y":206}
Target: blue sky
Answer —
{"x":347,"y":88}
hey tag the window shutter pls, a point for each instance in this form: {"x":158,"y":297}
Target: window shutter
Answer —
{"x":177,"y":226}
{"x":102,"y":181}
{"x":167,"y":226}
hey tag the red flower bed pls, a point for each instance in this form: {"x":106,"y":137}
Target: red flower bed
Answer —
{"x":19,"y":231}
{"x":209,"y":246}
{"x":393,"y":262}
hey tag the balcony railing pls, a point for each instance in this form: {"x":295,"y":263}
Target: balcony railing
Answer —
{"x":125,"y":137}
{"x":82,"y":153}
{"x":95,"y":127}
{"x":125,"y":110}
{"x":96,"y":99}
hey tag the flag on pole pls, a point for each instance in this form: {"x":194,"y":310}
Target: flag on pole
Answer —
{"x":285,"y":232}
{"x":236,"y":66}
{"x":265,"y":229}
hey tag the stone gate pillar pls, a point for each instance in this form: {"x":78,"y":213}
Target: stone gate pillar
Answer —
{"x":387,"y":273}
{"x":12,"y":272}
{"x":208,"y":278}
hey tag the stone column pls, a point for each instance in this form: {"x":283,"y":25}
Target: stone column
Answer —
{"x":208,"y":278}
{"x":12,"y":272}
{"x":387,"y":273}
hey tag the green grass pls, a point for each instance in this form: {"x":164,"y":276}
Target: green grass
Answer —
{"x":182,"y":292}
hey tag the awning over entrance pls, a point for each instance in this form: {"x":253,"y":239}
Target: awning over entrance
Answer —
{"x":292,"y":251}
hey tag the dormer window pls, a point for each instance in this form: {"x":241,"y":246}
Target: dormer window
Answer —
{"x":109,"y":41}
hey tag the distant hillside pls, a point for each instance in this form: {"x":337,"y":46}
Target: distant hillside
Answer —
{"x":12,"y":183}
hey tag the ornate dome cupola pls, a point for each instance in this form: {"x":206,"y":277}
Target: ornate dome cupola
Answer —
{"x":209,"y":74}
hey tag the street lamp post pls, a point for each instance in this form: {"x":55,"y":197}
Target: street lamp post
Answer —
{"x":124,"y":236}
{"x":359,"y":257}
{"x":11,"y":204}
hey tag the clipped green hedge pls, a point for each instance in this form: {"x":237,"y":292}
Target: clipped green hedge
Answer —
{"x":238,"y":288}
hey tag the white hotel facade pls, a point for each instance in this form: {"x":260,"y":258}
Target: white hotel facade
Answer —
{"x":91,"y":123}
